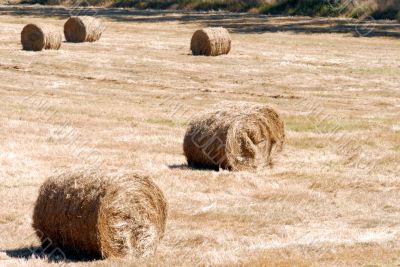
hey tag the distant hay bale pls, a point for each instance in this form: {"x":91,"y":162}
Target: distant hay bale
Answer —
{"x":93,"y":216}
{"x":36,"y":37}
{"x":211,"y":42}
{"x":234,"y":138}
{"x":83,"y":29}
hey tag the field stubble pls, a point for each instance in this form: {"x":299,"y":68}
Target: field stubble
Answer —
{"x":123,"y":103}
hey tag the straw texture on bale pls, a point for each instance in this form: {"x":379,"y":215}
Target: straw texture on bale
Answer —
{"x":235,"y":138}
{"x":83,"y":29}
{"x":97,"y":216}
{"x":211,"y":42}
{"x":36,"y":37}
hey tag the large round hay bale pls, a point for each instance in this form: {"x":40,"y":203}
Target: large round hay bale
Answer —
{"x":83,"y":29}
{"x":211,"y":42}
{"x":36,"y":37}
{"x":234,"y":138}
{"x":94,"y":216}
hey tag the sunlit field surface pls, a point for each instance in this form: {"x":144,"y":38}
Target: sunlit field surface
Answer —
{"x":123,"y":103}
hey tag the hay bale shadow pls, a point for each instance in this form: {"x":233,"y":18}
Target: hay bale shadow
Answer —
{"x":37,"y":253}
{"x":194,"y":166}
{"x":52,"y":255}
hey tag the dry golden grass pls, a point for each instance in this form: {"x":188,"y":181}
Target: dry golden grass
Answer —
{"x":332,"y":198}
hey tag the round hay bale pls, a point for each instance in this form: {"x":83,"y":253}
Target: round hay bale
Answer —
{"x":95,"y":216}
{"x":211,"y":42}
{"x":36,"y":37}
{"x":235,"y":138}
{"x":83,"y":29}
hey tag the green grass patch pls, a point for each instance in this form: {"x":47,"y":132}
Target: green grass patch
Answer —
{"x":306,"y":8}
{"x":144,"y":4}
{"x":203,"y":5}
{"x":388,"y":161}
{"x":308,"y":143}
{"x":324,"y":125}
{"x":389,"y":71}
{"x":360,"y":11}
{"x":162,"y":121}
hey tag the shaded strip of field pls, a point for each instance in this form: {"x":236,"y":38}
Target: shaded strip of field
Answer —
{"x":235,"y":22}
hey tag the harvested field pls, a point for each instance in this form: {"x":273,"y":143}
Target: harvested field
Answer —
{"x":123,"y":102}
